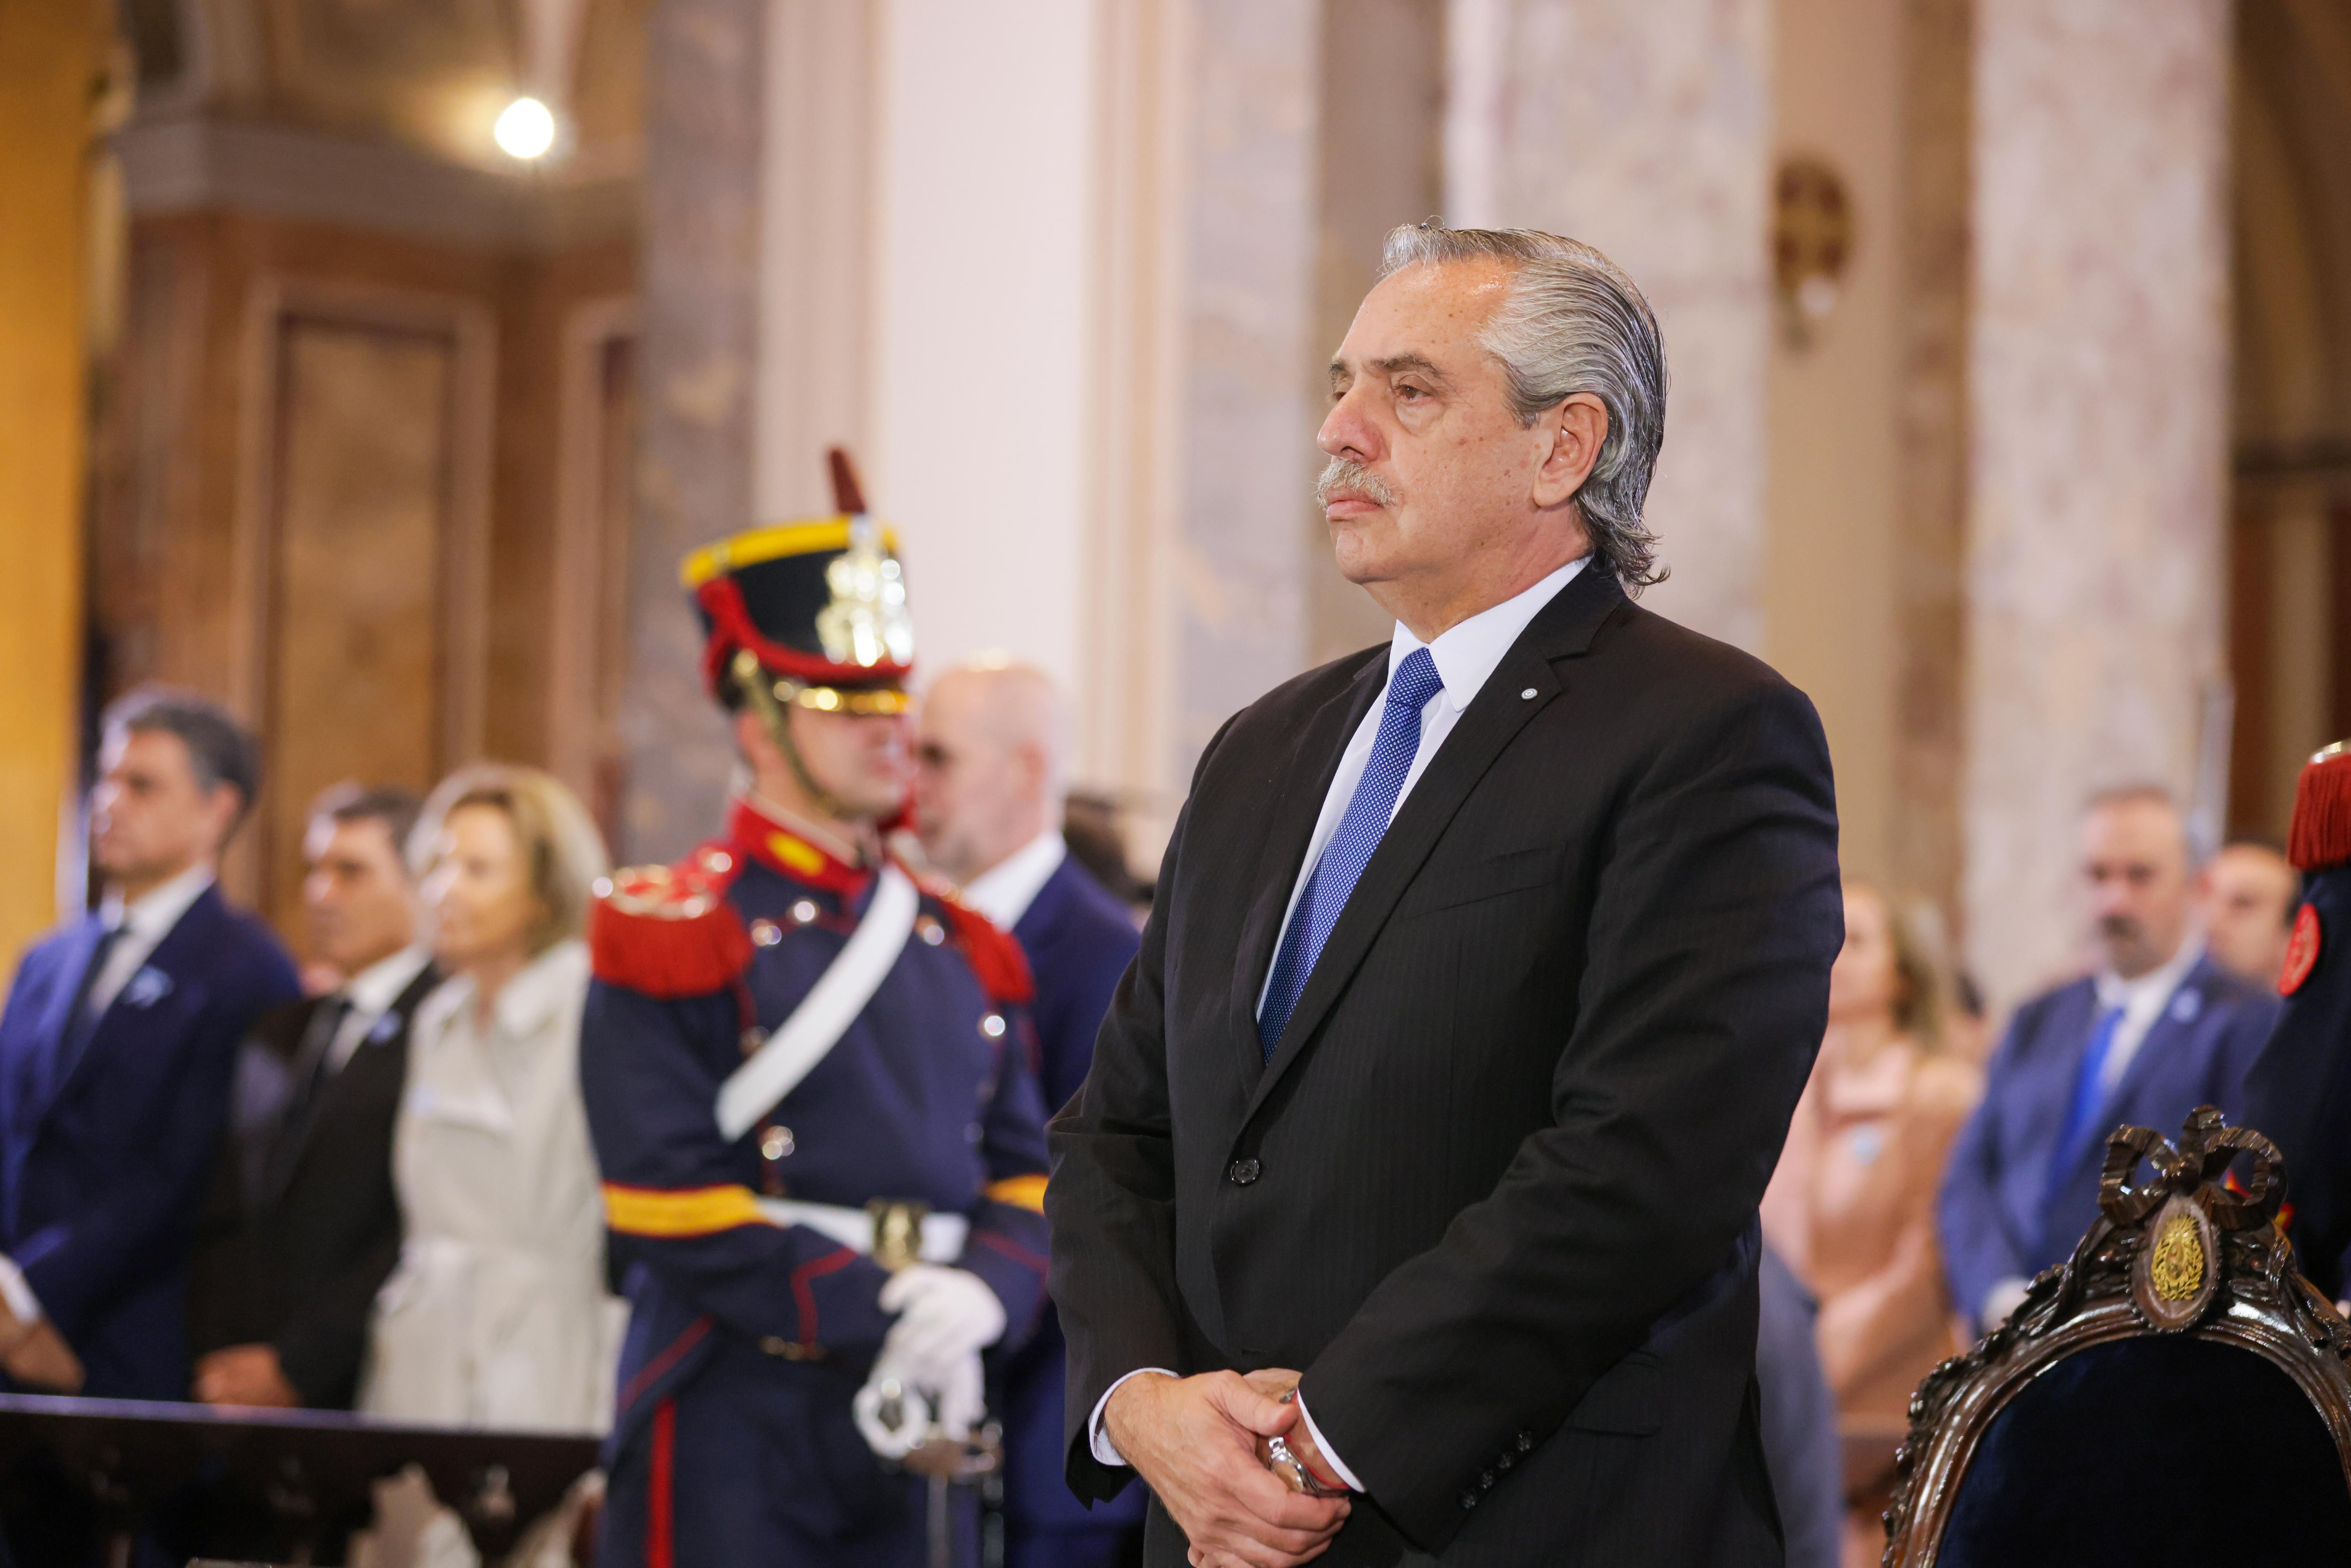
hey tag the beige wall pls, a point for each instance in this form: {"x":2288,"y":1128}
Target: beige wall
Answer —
{"x":1832,"y":494}
{"x":49,"y":55}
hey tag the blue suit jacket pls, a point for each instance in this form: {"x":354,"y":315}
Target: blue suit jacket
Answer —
{"x":1080,"y":942}
{"x":102,"y":1166}
{"x":2003,"y":1216}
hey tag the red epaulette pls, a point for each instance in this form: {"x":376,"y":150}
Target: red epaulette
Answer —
{"x":993,"y":953}
{"x":2320,"y":835}
{"x":669,"y":930}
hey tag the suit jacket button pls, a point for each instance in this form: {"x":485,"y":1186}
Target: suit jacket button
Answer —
{"x":1243,"y":1172}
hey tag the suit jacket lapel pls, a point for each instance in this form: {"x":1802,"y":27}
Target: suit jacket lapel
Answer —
{"x":1305,"y":780}
{"x":2164,"y":1040}
{"x":178,"y":957}
{"x":45,"y":1073}
{"x":1563,"y":628}
{"x":292,"y":1143}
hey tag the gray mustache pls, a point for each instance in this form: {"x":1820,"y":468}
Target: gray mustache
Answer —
{"x":1346,"y":473}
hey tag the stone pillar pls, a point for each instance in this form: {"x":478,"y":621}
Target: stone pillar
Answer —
{"x":2099,"y":427}
{"x":700,"y":312}
{"x":1245,"y":240}
{"x":1643,"y":127}
{"x":48,"y":58}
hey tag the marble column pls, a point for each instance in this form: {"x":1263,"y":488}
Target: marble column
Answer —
{"x":2098,"y":374}
{"x":1643,"y":127}
{"x":1245,"y":243}
{"x":700,"y":312}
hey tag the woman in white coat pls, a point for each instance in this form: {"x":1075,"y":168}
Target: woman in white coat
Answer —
{"x":497,"y":1315}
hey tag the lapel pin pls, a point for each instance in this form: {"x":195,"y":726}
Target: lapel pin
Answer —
{"x":147,"y":987}
{"x":2186,"y":1005}
{"x":1529,"y":695}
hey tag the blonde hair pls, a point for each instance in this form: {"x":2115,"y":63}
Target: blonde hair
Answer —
{"x":1914,"y":930}
{"x":560,"y":840}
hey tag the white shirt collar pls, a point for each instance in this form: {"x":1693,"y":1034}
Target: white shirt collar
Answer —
{"x":373,"y":990}
{"x":2151,"y":990}
{"x":151,"y":914}
{"x":1467,"y":652}
{"x":1005,"y":890}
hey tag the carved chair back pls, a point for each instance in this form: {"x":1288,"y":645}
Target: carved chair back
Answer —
{"x":2174,"y":1394}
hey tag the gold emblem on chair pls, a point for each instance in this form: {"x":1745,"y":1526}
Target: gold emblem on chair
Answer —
{"x":2178,"y":1268}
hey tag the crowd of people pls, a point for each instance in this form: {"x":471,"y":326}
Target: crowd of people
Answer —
{"x":1922,"y":1186}
{"x":374,"y":1187}
{"x":370,"y":1184}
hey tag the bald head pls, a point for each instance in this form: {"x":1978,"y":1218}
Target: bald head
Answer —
{"x":993,"y":746}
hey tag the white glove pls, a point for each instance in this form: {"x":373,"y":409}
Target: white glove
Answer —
{"x":945,"y":1317}
{"x":894,"y":1415}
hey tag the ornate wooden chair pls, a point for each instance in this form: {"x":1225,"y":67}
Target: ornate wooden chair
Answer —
{"x":2174,"y":1394}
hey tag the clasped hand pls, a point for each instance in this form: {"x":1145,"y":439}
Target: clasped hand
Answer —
{"x":36,"y":1355}
{"x":1196,"y":1441}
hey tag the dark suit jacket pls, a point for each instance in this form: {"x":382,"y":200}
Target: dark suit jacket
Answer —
{"x":1079,"y":941}
{"x":303,"y":1226}
{"x":102,"y":1168}
{"x":2001,"y":1215}
{"x":1495,"y":1192}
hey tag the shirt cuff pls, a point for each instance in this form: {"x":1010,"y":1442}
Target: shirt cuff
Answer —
{"x":1338,"y":1466}
{"x":1097,"y":1437}
{"x":24,"y":1306}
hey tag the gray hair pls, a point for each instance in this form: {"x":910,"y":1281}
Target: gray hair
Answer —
{"x":1573,"y":322}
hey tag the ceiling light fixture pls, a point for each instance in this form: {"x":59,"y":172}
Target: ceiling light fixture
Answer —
{"x":526,"y":129}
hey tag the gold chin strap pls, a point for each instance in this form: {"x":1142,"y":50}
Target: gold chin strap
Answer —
{"x":767,"y":697}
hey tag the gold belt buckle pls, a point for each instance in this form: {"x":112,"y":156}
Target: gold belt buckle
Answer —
{"x":898,"y":1231}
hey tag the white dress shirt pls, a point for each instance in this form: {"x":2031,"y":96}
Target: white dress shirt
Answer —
{"x":370,"y":994}
{"x":144,"y":921}
{"x":2143,"y":1001}
{"x":1005,"y":890}
{"x":1466,"y":655}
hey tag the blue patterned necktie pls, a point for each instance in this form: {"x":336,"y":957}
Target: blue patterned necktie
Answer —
{"x":1350,"y":849}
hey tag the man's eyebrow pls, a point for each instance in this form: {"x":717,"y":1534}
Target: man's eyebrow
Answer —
{"x":1396,"y":363}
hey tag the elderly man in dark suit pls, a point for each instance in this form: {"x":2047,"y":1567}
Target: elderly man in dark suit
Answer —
{"x":116,"y":1053}
{"x":304,"y":1226}
{"x":987,"y":793}
{"x":2159,"y":1030}
{"x":1408,"y":1211}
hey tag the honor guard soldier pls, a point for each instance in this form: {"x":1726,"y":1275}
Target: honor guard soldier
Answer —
{"x":809,"y":1085}
{"x":2299,"y":1092}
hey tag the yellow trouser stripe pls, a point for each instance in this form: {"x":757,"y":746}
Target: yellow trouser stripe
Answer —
{"x":689,"y":1211}
{"x":1021,"y":1192}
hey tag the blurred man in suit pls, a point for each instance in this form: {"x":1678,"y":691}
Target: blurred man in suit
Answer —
{"x":2248,"y":896}
{"x":116,"y":1053}
{"x":2159,"y":1030}
{"x":988,"y":782}
{"x":309,"y":1228}
{"x":1485,"y":970}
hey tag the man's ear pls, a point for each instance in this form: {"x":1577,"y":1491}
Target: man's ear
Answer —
{"x":226,"y":805}
{"x":1578,"y":430}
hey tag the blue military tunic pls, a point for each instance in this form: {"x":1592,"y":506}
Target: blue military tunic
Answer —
{"x":733,"y":1439}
